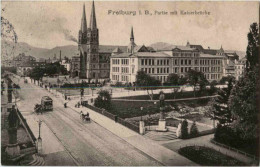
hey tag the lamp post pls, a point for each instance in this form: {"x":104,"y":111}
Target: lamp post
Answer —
{"x":141,"y":112}
{"x":39,"y":142}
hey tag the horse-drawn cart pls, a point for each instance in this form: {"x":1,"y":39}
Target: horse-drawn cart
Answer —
{"x":84,"y":117}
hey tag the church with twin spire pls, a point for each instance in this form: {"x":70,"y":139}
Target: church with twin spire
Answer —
{"x":88,"y":43}
{"x":94,"y":59}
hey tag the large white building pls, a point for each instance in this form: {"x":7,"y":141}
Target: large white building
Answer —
{"x":174,"y":59}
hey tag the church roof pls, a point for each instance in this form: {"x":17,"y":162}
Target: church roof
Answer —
{"x":117,"y":50}
{"x":122,"y":55}
{"x":111,"y":48}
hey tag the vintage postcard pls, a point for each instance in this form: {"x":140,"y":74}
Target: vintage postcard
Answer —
{"x":129,"y":83}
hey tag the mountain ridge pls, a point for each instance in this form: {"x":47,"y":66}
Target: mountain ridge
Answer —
{"x":68,"y":50}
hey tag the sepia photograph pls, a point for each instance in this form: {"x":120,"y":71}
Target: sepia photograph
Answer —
{"x":129,"y":83}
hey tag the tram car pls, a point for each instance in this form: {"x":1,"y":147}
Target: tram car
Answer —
{"x":46,"y":105}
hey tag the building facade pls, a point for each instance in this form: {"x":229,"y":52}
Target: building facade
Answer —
{"x":174,"y":59}
{"x":75,"y":66}
{"x":240,"y":66}
{"x":94,"y":58}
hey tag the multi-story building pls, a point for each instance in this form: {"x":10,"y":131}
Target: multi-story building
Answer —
{"x":75,"y":66}
{"x":25,"y":69}
{"x":240,"y":66}
{"x":173,"y":59}
{"x":229,"y":58}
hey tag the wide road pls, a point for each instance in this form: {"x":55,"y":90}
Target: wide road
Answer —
{"x":87,"y":143}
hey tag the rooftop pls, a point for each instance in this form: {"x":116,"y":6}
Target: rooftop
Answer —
{"x":141,"y":54}
{"x":111,"y":48}
{"x":186,"y":48}
{"x":210,"y":56}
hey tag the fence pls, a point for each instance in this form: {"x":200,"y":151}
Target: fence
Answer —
{"x":113,"y":117}
{"x":233,"y":149}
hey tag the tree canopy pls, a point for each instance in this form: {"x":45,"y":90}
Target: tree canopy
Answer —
{"x":225,"y":79}
{"x":244,"y":95}
{"x":173,"y":79}
{"x":252,"y":47}
{"x":36,"y":73}
{"x":195,"y":78}
{"x":147,"y":82}
{"x":103,"y":100}
{"x":222,"y":112}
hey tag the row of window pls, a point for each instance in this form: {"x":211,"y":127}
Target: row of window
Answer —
{"x":125,"y":70}
{"x":123,"y":78}
{"x":182,"y":70}
{"x":115,"y":61}
{"x":214,"y":76}
{"x":162,"y":78}
{"x":164,"y":62}
{"x":185,"y":54}
{"x":210,"y":62}
{"x":150,"y":62}
{"x":159,"y":70}
{"x":115,"y":69}
{"x":115,"y":77}
{"x":125,"y":61}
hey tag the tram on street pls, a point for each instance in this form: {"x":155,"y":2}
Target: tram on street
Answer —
{"x":46,"y":105}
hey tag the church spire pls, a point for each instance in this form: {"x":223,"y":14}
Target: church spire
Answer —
{"x":93,"y":22}
{"x":132,"y":34}
{"x":83,"y":20}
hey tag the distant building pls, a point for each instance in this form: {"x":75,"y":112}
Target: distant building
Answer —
{"x":26,"y":68}
{"x":66,"y":63}
{"x":229,"y":58}
{"x":19,"y":60}
{"x":75,"y":66}
{"x":240,"y":66}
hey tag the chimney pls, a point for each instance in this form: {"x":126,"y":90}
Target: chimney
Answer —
{"x":60,"y":55}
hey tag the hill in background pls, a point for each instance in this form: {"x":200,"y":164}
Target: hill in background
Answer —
{"x":68,"y":50}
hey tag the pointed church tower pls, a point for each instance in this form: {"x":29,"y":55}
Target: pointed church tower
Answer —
{"x":82,"y":44}
{"x":93,"y":46}
{"x":132,"y":44}
{"x":83,"y":28}
{"x":93,"y":22}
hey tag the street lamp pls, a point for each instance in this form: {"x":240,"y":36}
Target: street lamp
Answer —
{"x":39,"y":142}
{"x":141,"y":112}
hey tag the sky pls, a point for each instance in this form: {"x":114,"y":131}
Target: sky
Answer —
{"x":44,"y":23}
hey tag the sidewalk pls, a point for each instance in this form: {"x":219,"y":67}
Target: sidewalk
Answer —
{"x":149,"y":147}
